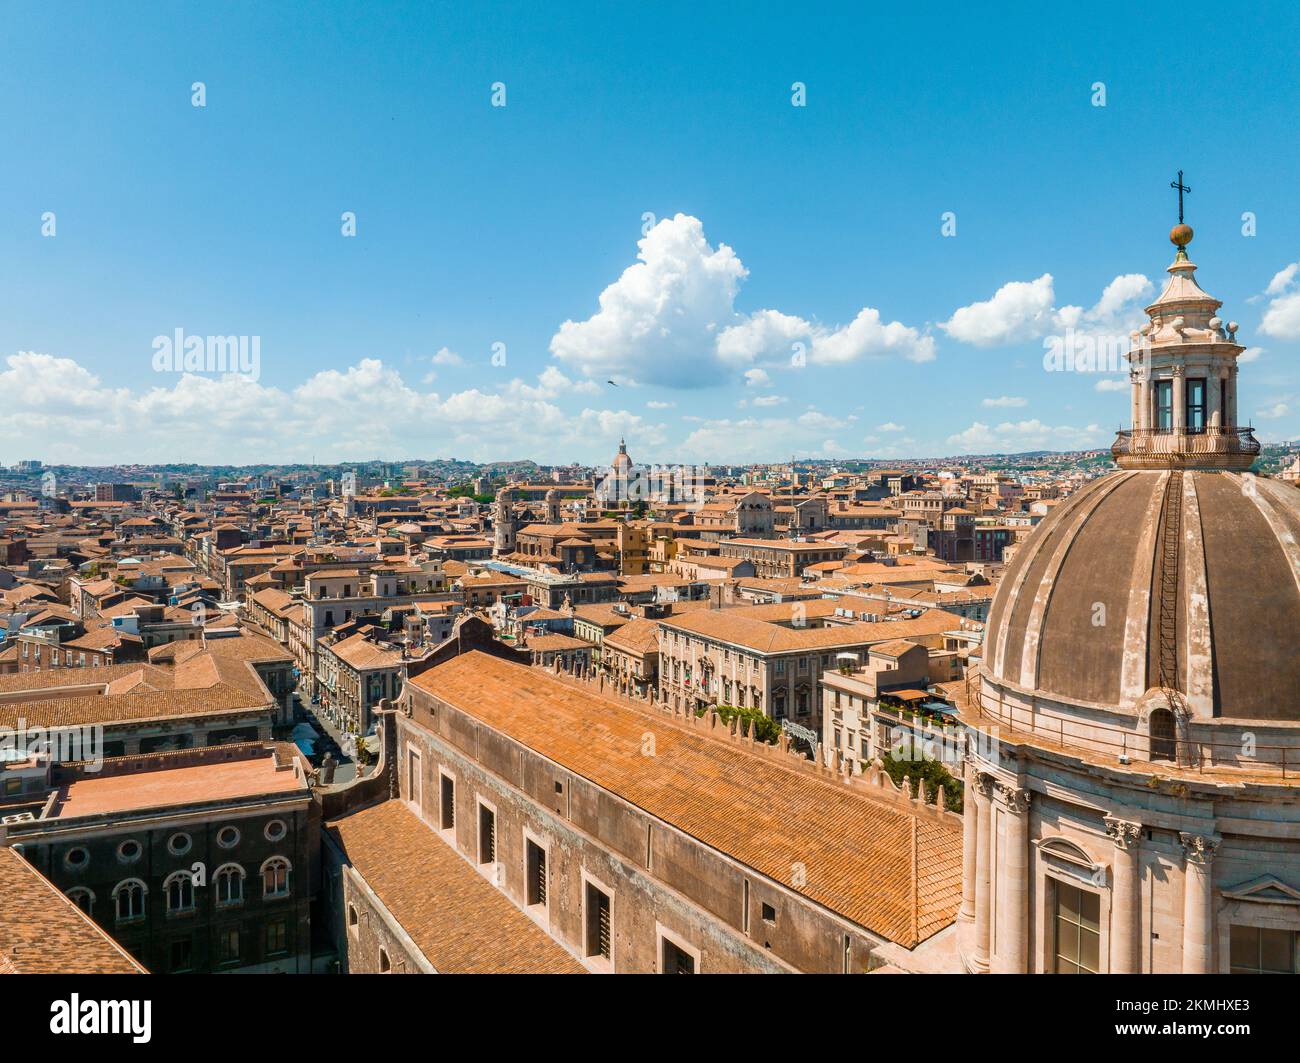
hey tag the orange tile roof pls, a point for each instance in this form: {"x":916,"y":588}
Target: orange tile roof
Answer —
{"x":457,"y":919}
{"x":895,"y":873}
{"x":42,"y":932}
{"x":216,"y":781}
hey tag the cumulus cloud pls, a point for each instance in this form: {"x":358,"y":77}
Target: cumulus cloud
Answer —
{"x":1013,"y":436}
{"x":1025,"y":310}
{"x":1282,"y":315}
{"x":1283,"y":279}
{"x":446,"y":356}
{"x":1250,"y":354}
{"x":1112,"y":384}
{"x":1006,"y":400}
{"x":363,"y":410}
{"x":762,"y":438}
{"x":671,"y":319}
{"x":757,"y":378}
{"x":1271,"y":413}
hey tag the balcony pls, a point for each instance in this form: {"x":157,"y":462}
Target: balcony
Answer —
{"x":1163,"y":448}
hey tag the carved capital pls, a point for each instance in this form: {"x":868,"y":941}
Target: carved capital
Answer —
{"x":1013,"y":798}
{"x":984,"y":785}
{"x":1123,"y":833}
{"x":1199,"y":848}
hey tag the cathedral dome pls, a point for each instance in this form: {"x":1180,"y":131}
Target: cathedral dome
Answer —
{"x":1150,"y":579}
{"x":1174,"y":580}
{"x":621,"y":460}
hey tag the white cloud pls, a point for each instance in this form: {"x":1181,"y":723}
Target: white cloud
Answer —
{"x":770,"y":400}
{"x":889,"y":426}
{"x":1250,"y":354}
{"x":1271,"y":413}
{"x":1283,"y":279}
{"x":1006,"y":400}
{"x":1112,"y":384}
{"x":756,"y":438}
{"x":1025,"y":310}
{"x":446,"y":356}
{"x":1014,"y":436}
{"x":817,"y":419}
{"x":757,"y":378}
{"x":655,"y":404}
{"x":1282,"y":315}
{"x":1119,"y":295}
{"x":671,"y":319}
{"x":1019,"y":310}
{"x":365,"y":410}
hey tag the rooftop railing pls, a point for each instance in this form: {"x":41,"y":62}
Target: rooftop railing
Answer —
{"x":1212,"y":445}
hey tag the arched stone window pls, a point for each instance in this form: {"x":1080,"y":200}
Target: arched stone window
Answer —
{"x":82,"y":898}
{"x":180,"y":892}
{"x":275,"y":877}
{"x":230,"y":884}
{"x":128,"y":900}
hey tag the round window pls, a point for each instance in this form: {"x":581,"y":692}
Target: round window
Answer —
{"x":228,"y":837}
{"x":178,"y":844}
{"x":275,"y":830}
{"x":129,"y":851}
{"x":76,"y":858}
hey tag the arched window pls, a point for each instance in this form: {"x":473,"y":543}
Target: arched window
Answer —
{"x":128,"y":900}
{"x":82,"y":898}
{"x":352,"y":915}
{"x":180,"y":891}
{"x":1163,"y":736}
{"x":275,"y":877}
{"x":230,"y":884}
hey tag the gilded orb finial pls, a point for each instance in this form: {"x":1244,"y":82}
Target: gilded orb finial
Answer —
{"x":1180,"y":235}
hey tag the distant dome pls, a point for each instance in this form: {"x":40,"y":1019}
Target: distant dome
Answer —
{"x":1079,"y":614}
{"x":621,"y":460}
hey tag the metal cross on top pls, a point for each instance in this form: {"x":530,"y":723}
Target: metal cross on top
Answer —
{"x":1181,"y":189}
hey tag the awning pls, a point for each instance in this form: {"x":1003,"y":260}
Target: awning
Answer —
{"x":905,"y":695}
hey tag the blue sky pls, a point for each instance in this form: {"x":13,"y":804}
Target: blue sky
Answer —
{"x":770,"y":224}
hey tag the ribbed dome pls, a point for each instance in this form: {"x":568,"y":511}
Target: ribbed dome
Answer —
{"x":1139,"y":582}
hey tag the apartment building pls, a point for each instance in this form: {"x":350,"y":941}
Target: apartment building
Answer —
{"x":772,"y":658}
{"x":781,"y":558}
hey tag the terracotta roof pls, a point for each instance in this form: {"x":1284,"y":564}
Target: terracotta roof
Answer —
{"x":890,"y":871}
{"x":548,"y":643}
{"x":739,"y":628}
{"x":636,"y":637}
{"x":42,"y":932}
{"x":223,"y":780}
{"x":457,"y":919}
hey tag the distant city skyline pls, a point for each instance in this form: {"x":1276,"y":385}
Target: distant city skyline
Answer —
{"x":728,"y":238}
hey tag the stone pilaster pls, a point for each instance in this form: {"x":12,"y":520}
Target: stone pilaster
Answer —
{"x":1012,"y":955}
{"x":1198,"y":902}
{"x":1126,"y":897}
{"x":985,"y":856}
{"x":969,"y":847}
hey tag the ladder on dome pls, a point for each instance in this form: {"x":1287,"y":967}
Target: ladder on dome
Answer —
{"x":1170,"y":555}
